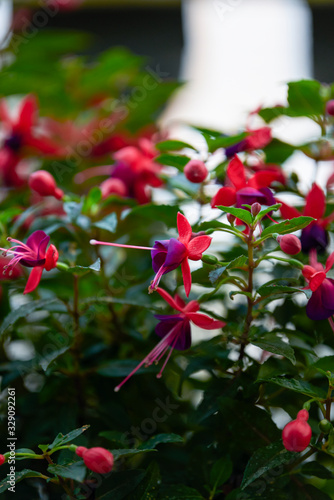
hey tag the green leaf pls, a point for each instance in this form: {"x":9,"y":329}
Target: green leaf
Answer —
{"x":275,"y":345}
{"x":120,"y":484}
{"x":266,"y":211}
{"x":23,"y":450}
{"x":62,"y":439}
{"x":162,"y":213}
{"x":326,"y":363}
{"x":221,"y":472}
{"x":265,"y":459}
{"x":108,"y":223}
{"x":81,"y":270}
{"x":148,"y":488}
{"x":173,"y":145}
{"x":305,"y":99}
{"x":317,"y":470}
{"x":267,"y":290}
{"x":23,"y":311}
{"x":240,"y":213}
{"x":278,"y":151}
{"x":178,"y":161}
{"x":288,"y":226}
{"x":238,"y":262}
{"x":5,"y":484}
{"x":93,"y":198}
{"x":179,"y":492}
{"x":75,"y":470}
{"x":161,"y":438}
{"x":299,"y":386}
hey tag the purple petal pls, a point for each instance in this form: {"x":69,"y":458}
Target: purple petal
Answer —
{"x":168,"y":253}
{"x":315,"y":308}
{"x":327,"y":294}
{"x":38,"y":241}
{"x":236,"y":148}
{"x":183,"y":332}
{"x":249,"y":195}
{"x":159,"y":254}
{"x":314,"y":236}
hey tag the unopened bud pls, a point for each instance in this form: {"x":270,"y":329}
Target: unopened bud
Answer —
{"x":209,"y":259}
{"x":231,"y":218}
{"x":196,"y":171}
{"x":330,"y":107}
{"x":256,"y":209}
{"x":289,"y":244}
{"x":2,"y":459}
{"x":44,"y":184}
{"x":325,"y":426}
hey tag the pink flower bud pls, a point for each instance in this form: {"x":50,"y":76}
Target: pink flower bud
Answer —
{"x":44,"y":184}
{"x":330,"y":107}
{"x":196,"y":171}
{"x":98,"y":459}
{"x":231,"y":218}
{"x":113,"y":186}
{"x":2,"y":459}
{"x":289,"y":243}
{"x":297,"y":434}
{"x":80,"y":451}
{"x":256,"y":209}
{"x":51,"y":258}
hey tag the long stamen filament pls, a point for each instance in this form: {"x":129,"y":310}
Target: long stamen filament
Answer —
{"x":95,"y":242}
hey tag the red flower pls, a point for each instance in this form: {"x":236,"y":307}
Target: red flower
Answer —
{"x":175,"y":331}
{"x":321,"y":304}
{"x":32,"y":254}
{"x":297,"y":434}
{"x":96,"y":459}
{"x":245,"y":191}
{"x":20,"y":134}
{"x":314,"y":236}
{"x":257,"y":139}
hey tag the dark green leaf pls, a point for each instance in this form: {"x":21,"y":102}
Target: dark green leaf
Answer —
{"x":80,"y":270}
{"x":238,"y":262}
{"x":221,"y":472}
{"x":75,"y":470}
{"x":63,"y":439}
{"x":276,"y":346}
{"x":317,"y":470}
{"x":109,"y":223}
{"x":178,"y":161}
{"x":5,"y":484}
{"x":148,"y":488}
{"x":240,"y":213}
{"x":161,"y":438}
{"x":173,"y":145}
{"x":300,"y":386}
{"x":179,"y":492}
{"x":118,"y":453}
{"x":288,"y":226}
{"x":122,"y":483}
{"x":23,"y":311}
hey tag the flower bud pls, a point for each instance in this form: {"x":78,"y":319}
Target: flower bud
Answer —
{"x":289,"y":243}
{"x":80,"y":450}
{"x":51,"y":258}
{"x":330,"y":107}
{"x":325,"y":426}
{"x":2,"y":459}
{"x":256,"y":209}
{"x":97,"y":459}
{"x":196,"y":171}
{"x":113,"y":186}
{"x":209,"y":259}
{"x":44,"y":184}
{"x":231,"y":218}
{"x":297,"y":433}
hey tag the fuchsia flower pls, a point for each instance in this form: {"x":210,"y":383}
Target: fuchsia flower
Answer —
{"x":297,"y":433}
{"x":44,"y":184}
{"x":20,"y":134}
{"x":167,"y":255}
{"x":257,"y":139}
{"x":32,"y":254}
{"x":321,"y":304}
{"x":97,"y":459}
{"x":174,"y":331}
{"x":245,"y":191}
{"x":314,"y":236}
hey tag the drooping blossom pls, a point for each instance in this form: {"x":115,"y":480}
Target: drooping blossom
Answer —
{"x":315,"y":235}
{"x":321,"y":304}
{"x":20,"y":135}
{"x":33,"y":253}
{"x":256,"y":139}
{"x":97,"y":459}
{"x":175,"y":331}
{"x":297,"y":433}
{"x":239,"y":191}
{"x":167,"y":255}
{"x":43,"y":183}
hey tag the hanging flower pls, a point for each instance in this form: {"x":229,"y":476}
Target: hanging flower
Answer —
{"x":33,"y":254}
{"x":167,"y":255}
{"x":257,"y":139}
{"x":241,"y":191}
{"x":174,"y":331}
{"x":315,"y":235}
{"x":321,"y":304}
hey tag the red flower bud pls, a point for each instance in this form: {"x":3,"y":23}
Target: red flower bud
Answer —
{"x":196,"y":171}
{"x":51,"y":258}
{"x":297,"y":434}
{"x":80,"y":451}
{"x":113,"y":186}
{"x":44,"y":184}
{"x":290,"y":244}
{"x":330,"y":107}
{"x":97,"y":459}
{"x":2,"y":459}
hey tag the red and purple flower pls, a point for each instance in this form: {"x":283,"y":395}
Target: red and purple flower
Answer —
{"x":314,"y":236}
{"x":321,"y":304}
{"x":257,"y":139}
{"x":174,"y":331}
{"x":241,"y":191}
{"x":33,"y":254}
